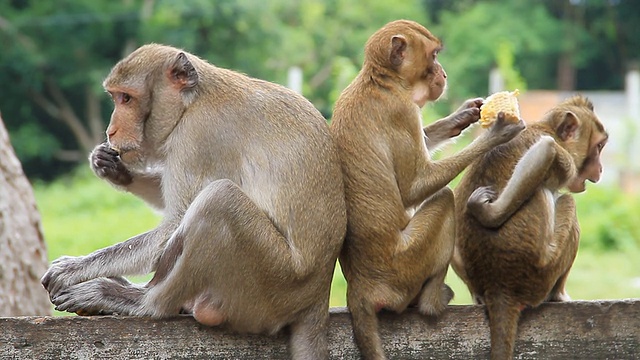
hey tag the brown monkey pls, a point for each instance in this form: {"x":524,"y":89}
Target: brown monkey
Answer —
{"x":249,"y":182}
{"x":400,"y":213}
{"x":517,"y":235}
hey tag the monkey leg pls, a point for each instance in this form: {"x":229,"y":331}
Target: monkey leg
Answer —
{"x":561,"y":251}
{"x":254,"y":278}
{"x":138,"y":255}
{"x":424,"y":249}
{"x":427,"y":246}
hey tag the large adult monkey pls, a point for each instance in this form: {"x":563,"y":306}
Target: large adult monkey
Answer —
{"x":400,"y":213}
{"x":253,"y":203}
{"x":517,"y":235}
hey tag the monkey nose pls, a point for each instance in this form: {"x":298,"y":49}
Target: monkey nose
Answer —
{"x":111,"y":131}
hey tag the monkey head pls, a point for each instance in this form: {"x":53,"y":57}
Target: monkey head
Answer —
{"x":150,"y":89}
{"x":407,"y":52}
{"x":583,"y":135}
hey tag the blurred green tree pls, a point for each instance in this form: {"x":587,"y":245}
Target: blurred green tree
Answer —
{"x":55,"y":55}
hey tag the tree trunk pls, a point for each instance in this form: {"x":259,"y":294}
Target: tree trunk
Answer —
{"x":23,"y":254}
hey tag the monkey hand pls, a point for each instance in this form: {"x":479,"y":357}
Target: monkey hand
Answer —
{"x":106,"y":164}
{"x":454,"y":124}
{"x":480,"y":203}
{"x":466,"y":115}
{"x":62,"y":274}
{"x":504,"y":130}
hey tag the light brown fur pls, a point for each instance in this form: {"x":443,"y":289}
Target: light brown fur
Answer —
{"x":400,"y":213}
{"x":249,"y":183}
{"x":517,"y":235}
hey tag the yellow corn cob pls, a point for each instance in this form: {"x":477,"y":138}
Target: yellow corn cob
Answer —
{"x":504,"y":101}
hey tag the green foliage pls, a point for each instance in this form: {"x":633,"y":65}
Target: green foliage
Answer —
{"x":472,"y":36}
{"x":505,"y":61}
{"x":69,"y":46}
{"x":609,"y":219}
{"x":81,"y":214}
{"x":31,"y":141}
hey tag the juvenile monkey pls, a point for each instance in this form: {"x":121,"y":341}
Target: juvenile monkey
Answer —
{"x":517,"y":234}
{"x":400,"y":213}
{"x":249,"y":183}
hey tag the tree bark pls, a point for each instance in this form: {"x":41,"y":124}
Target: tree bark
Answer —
{"x":23,"y":254}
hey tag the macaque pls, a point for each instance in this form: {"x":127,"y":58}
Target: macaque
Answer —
{"x":517,"y":231}
{"x":400,"y":230}
{"x":249,"y":184}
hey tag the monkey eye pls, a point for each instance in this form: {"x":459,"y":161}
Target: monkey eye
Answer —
{"x":124,"y":98}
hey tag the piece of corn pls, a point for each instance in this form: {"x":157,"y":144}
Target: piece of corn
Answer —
{"x":504,"y":101}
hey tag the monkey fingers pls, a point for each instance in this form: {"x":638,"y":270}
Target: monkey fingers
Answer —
{"x":482,"y":195}
{"x":480,"y":202}
{"x":471,"y":103}
{"x":451,"y":126}
{"x":106,"y":163}
{"x":505,"y":130}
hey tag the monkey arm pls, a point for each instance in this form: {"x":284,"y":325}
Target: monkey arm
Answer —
{"x":436,"y":134}
{"x":107,"y":165}
{"x":137,"y":255}
{"x":148,"y":188}
{"x":529,"y":174}
{"x":433,"y":176}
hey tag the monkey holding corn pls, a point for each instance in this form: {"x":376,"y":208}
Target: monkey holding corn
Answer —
{"x":505,"y":101}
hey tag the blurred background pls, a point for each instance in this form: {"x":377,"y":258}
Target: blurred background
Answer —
{"x":55,"y":54}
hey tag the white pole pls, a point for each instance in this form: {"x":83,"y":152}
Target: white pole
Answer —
{"x":632,"y":88}
{"x":496,"y":81}
{"x":295,"y":79}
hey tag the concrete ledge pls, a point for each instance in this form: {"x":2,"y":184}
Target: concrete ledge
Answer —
{"x":576,"y":330}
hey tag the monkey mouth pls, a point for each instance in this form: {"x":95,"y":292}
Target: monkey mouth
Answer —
{"x":577,"y":185}
{"x":594,"y":179}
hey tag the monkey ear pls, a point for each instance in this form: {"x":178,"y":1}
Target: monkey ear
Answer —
{"x":398,"y":48}
{"x":568,"y":127}
{"x":182,"y":73}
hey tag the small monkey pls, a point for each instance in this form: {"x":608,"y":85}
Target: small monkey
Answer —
{"x":248,"y":180}
{"x":517,"y":234}
{"x":400,"y":213}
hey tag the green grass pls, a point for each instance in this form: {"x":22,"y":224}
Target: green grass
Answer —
{"x":81,"y":214}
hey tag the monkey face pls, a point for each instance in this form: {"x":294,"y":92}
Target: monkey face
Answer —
{"x":409,"y":51}
{"x":439,"y":82}
{"x":591,"y":168}
{"x":430,"y":83}
{"x":595,"y":138}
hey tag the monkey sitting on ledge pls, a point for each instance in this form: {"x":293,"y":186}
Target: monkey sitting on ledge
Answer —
{"x":400,"y":232}
{"x":517,"y":234}
{"x":234,"y":163}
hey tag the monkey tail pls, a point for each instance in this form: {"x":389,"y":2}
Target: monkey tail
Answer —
{"x":503,"y":324}
{"x":365,"y":329}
